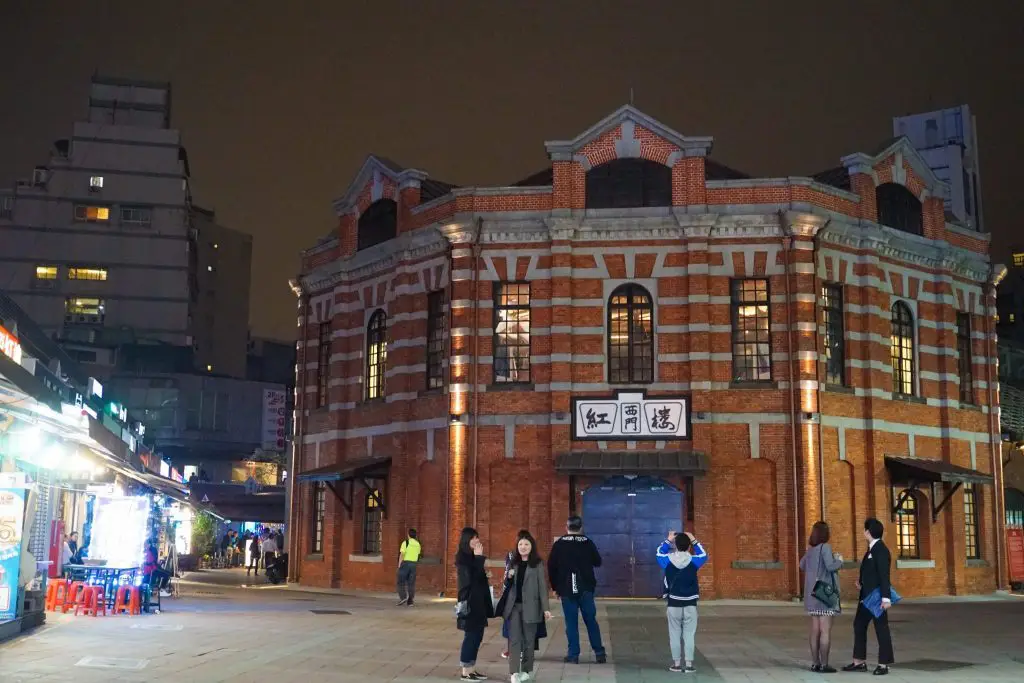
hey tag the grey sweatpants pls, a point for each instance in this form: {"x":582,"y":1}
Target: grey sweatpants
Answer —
{"x":682,"y":627}
{"x":521,"y":639}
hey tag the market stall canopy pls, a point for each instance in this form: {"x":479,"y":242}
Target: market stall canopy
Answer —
{"x":607,"y":463}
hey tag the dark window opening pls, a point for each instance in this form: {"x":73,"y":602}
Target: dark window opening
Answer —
{"x":316,"y":545}
{"x":971,"y":535}
{"x":965,"y":357}
{"x":379,"y":223}
{"x":629,"y":183}
{"x":630,"y":336}
{"x":835,"y":338}
{"x":898,"y":208}
{"x":436,"y":324}
{"x":751,"y":332}
{"x":323,"y":366}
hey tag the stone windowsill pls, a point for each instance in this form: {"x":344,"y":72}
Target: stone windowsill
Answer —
{"x":315,"y":557}
{"x":978,"y":564}
{"x":909,"y":399}
{"x":915,"y":564}
{"x":971,"y":406}
{"x":763,"y":386}
{"x":840,"y":389}
{"x":373,"y":559}
{"x":510,"y":386}
{"x":756,"y":564}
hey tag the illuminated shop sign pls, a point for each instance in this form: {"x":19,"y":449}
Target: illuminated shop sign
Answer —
{"x":631,"y":417}
{"x":10,"y":346}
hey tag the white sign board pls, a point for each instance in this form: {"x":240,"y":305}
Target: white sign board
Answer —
{"x":273,"y":420}
{"x":631,"y":417}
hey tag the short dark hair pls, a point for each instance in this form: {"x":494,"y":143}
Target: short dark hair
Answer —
{"x":467,"y":535}
{"x":575,"y":523}
{"x":874,"y":527}
{"x":819,"y":534}
{"x":412,"y":533}
{"x":682,"y":542}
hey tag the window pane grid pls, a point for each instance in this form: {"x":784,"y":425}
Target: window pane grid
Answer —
{"x":436,"y":324}
{"x":835,"y":338}
{"x":630,"y":336}
{"x":965,"y":357}
{"x":902,"y":350}
{"x":319,"y":505}
{"x":376,"y":355}
{"x":323,"y":365}
{"x":512,"y":333}
{"x":751,"y":331}
{"x":907,"y":538}
{"x":971,"y":522}
{"x":373,"y":517}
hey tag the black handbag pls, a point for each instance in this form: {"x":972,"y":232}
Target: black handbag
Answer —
{"x":826,"y":592}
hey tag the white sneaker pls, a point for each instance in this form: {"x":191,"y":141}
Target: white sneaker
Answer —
{"x":525,"y":677}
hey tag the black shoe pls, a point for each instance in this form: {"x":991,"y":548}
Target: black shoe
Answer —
{"x":826,"y":669}
{"x":571,"y":660}
{"x":881,"y":670}
{"x":408,"y":604}
{"x":815,"y":668}
{"x":401,"y":602}
{"x":855,"y":667}
{"x":602,"y":659}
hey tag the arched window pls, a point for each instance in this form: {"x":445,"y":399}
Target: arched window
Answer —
{"x":908,"y":538}
{"x":373,"y":516}
{"x":902,"y":349}
{"x":629,"y":183}
{"x":898,"y":208}
{"x":377,"y":224}
{"x":376,"y":354}
{"x":630,"y":336}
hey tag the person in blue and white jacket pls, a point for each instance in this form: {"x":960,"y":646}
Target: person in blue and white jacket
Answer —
{"x":667,"y":547}
{"x":683,"y":593}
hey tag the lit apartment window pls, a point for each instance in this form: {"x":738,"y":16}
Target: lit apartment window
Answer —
{"x":96,"y":183}
{"x":965,"y":359}
{"x":79,"y":309}
{"x":137,"y":215}
{"x":1018,"y":259}
{"x":971,"y":522}
{"x":46,"y":272}
{"x":511,"y":333}
{"x":751,"y":332}
{"x":77,"y":273}
{"x":92,"y":214}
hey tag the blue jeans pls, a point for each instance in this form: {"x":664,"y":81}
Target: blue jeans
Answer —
{"x":470,"y":647}
{"x":572,"y":607}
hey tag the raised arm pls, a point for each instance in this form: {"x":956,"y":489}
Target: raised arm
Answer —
{"x":829,"y":559}
{"x":699,"y":555}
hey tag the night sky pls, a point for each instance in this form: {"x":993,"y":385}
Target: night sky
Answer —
{"x":279,"y":105}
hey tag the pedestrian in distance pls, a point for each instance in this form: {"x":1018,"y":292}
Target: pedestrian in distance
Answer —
{"x":821,"y":594}
{"x":474,"y":607}
{"x":269,"y":548}
{"x":408,"y":559}
{"x":524,"y":606}
{"x":254,"y":555}
{"x":683,"y":591}
{"x":571,"y":569}
{"x":874,"y":576}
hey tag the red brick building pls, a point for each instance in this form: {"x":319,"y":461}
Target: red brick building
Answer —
{"x":653,"y":340}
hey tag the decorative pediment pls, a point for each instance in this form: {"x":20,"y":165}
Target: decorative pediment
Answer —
{"x":373,"y":173}
{"x":900,"y":149}
{"x":628,"y":129}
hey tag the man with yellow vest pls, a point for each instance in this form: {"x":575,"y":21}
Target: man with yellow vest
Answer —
{"x":408,"y":558}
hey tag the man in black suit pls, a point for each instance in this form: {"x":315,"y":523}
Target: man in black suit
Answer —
{"x":874,"y":574}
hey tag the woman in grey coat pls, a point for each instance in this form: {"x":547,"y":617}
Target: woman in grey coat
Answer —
{"x":526,"y":606}
{"x":819,"y":563}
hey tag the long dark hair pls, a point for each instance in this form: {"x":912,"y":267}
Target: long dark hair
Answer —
{"x":534,"y":558}
{"x":468,"y":534}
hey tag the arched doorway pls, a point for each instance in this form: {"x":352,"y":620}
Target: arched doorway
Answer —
{"x":628,"y":518}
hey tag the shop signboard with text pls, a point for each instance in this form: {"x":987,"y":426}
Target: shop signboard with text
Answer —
{"x":12,"y":520}
{"x":631,"y":416}
{"x":1015,"y":553}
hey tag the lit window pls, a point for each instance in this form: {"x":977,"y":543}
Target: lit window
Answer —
{"x":907,"y":538}
{"x":835,"y":339}
{"x":630,"y":336}
{"x":209,"y":368}
{"x":511,"y":333}
{"x":96,"y":182}
{"x":1013,"y":317}
{"x":76,"y":273}
{"x":965,"y":357}
{"x":46,"y":272}
{"x":209,"y":269}
{"x":1018,"y":259}
{"x":92,"y":214}
{"x":216,"y":246}
{"x":373,"y":516}
{"x":138,"y":215}
{"x":902,"y":350}
{"x":751,"y":332}
{"x":376,"y":355}
{"x":971,"y":522}
{"x":319,"y":504}
{"x":84,"y":309}
{"x":436,"y":324}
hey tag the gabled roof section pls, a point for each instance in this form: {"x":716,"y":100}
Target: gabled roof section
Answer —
{"x":903,"y":149}
{"x":373,"y":169}
{"x":564,"y":150}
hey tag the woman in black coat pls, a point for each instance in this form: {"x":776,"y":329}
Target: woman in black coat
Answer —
{"x":475,"y":606}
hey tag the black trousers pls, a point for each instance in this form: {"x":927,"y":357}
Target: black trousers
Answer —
{"x":860,"y":635}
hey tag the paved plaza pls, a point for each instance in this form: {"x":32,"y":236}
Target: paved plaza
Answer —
{"x":218,"y":631}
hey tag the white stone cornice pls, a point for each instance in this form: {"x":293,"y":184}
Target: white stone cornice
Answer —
{"x":461,"y":232}
{"x":801,"y":224}
{"x":410,"y":246}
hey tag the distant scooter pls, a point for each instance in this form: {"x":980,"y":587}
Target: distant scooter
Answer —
{"x":277,"y":569}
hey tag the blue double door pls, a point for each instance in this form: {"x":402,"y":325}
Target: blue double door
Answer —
{"x":628,"y":519}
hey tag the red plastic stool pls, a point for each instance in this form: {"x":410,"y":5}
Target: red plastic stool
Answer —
{"x":127,"y":600}
{"x":71,"y":598}
{"x":56,"y":595}
{"x":91,"y":601}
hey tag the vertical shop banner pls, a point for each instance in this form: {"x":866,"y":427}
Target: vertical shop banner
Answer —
{"x":273,"y":419}
{"x":12,"y":520}
{"x":1015,"y":553}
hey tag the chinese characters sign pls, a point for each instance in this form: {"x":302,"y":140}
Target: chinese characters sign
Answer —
{"x":273,"y":419}
{"x":631,"y":417}
{"x":12,"y":517}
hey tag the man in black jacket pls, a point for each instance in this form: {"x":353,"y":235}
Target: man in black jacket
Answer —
{"x":874,"y":575}
{"x":571,"y":569}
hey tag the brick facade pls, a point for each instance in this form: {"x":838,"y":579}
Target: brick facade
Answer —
{"x":783,"y":453}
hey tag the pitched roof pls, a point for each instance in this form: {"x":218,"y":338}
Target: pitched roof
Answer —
{"x":836,"y":177}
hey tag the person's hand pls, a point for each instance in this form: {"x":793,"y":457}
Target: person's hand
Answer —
{"x":858,"y":584}
{"x":547,"y":615}
{"x":838,"y":556}
{"x":478,"y":546}
{"x":886,"y":604}
{"x":690,"y":536}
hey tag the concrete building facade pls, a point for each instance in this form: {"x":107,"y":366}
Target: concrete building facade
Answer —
{"x":653,"y":340}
